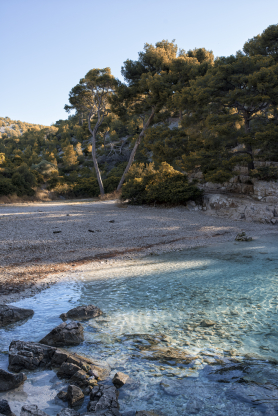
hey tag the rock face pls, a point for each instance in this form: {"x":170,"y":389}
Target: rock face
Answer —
{"x":64,"y":334}
{"x":9,"y":381}
{"x":32,"y":410}
{"x":104,"y":400}
{"x":80,"y":370}
{"x":82,"y":313}
{"x":10,"y":314}
{"x":74,"y":395}
{"x":5,"y":408}
{"x":120,"y":379}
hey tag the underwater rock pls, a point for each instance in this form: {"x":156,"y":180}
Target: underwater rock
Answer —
{"x":194,"y":406}
{"x":82,"y":312}
{"x":5,"y":408}
{"x":166,"y":355}
{"x":9,"y":381}
{"x":64,"y":334}
{"x":104,"y":398}
{"x":149,"y":413}
{"x":74,"y":395}
{"x":10,"y":314}
{"x":120,"y":379}
{"x":207,"y":323}
{"x":243,"y":237}
{"x":62,"y":395}
{"x":32,"y":410}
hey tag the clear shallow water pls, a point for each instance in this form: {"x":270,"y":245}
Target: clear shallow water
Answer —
{"x":234,"y":284}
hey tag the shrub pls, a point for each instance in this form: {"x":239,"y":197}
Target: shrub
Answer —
{"x":146,"y":185}
{"x":24,"y":180}
{"x":265,"y":173}
{"x":86,"y":187}
{"x":6,"y":186}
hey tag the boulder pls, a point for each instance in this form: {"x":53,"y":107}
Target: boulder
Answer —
{"x":64,"y":334}
{"x":68,"y":412}
{"x":243,"y":237}
{"x":206,"y":323}
{"x":74,"y":395}
{"x":120,"y":379}
{"x":32,"y":410}
{"x":29,"y":355}
{"x":62,"y":395}
{"x":67,"y":370}
{"x":9,"y":381}
{"x":10,"y":314}
{"x":82,"y":312}
{"x":104,"y":399}
{"x":5,"y":408}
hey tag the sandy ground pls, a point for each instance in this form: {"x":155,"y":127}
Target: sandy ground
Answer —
{"x":40,"y":242}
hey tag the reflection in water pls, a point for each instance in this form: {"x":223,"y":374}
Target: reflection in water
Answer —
{"x":152,"y":312}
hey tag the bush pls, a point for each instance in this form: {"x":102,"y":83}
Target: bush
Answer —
{"x":86,"y":187}
{"x":265,"y":173}
{"x":145,"y":185}
{"x":24,"y":180}
{"x":6,"y":186}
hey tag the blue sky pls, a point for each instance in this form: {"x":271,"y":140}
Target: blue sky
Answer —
{"x":48,"y":45}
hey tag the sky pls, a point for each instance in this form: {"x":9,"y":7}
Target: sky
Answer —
{"x":48,"y":45}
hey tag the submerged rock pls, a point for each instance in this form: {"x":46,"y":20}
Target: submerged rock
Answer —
{"x":104,"y":399}
{"x":166,"y":355}
{"x":120,"y":379}
{"x":149,"y":413}
{"x":9,"y":381}
{"x":206,"y":323}
{"x":74,"y":395}
{"x":243,"y":237}
{"x":82,"y":312}
{"x":64,"y":334}
{"x":32,"y":410}
{"x":68,"y":412}
{"x":10,"y":314}
{"x":5,"y":408}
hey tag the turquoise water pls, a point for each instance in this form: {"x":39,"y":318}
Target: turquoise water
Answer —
{"x":234,"y":284}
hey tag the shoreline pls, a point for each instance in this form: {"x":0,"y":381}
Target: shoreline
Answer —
{"x":117,"y":234}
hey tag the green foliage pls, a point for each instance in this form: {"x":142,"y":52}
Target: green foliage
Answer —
{"x":146,"y":185}
{"x":45,"y":168}
{"x":6,"y":186}
{"x":265,"y":173}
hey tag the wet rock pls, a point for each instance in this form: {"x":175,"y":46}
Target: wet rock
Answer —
{"x":149,"y":413}
{"x":243,"y":237}
{"x":62,"y":395}
{"x":10,"y":314}
{"x":194,"y":406}
{"x":5,"y":408}
{"x":207,"y":323}
{"x":9,"y":381}
{"x":68,"y":412}
{"x":32,"y":410}
{"x":67,"y":370}
{"x":82,"y":312}
{"x":74,"y":395}
{"x":120,"y":379}
{"x":29,"y":355}
{"x":104,"y":399}
{"x":167,"y":355}
{"x":64,"y":334}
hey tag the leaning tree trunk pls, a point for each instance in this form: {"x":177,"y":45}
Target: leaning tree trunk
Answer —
{"x":94,"y":132}
{"x":138,"y":141}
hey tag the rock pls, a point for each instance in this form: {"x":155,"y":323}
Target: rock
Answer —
{"x":68,"y":412}
{"x":104,"y":398}
{"x":243,"y":237}
{"x":120,"y":379}
{"x":74,"y":395}
{"x":64,"y":334}
{"x":32,"y":410}
{"x":5,"y":408}
{"x":10,"y":314}
{"x":9,"y":381}
{"x":62,"y":395}
{"x":67,"y":370}
{"x":148,"y":413}
{"x":193,"y":406}
{"x":29,"y":355}
{"x":207,"y":323}
{"x":167,"y":355}
{"x":82,"y":312}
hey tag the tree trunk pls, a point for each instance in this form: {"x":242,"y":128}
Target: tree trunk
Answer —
{"x":138,"y":141}
{"x":94,"y":132}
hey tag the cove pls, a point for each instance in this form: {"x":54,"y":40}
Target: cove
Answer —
{"x":153,"y":308}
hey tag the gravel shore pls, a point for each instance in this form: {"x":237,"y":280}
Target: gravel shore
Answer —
{"x":42,"y":241}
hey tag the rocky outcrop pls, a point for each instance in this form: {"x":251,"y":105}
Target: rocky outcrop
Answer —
{"x":5,"y":408}
{"x":120,"y":379}
{"x":104,"y":400}
{"x":74,"y":395}
{"x":32,"y":410}
{"x":64,"y":335}
{"x":10,"y":314}
{"x":9,"y":381}
{"x":82,"y":313}
{"x":81,"y":371}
